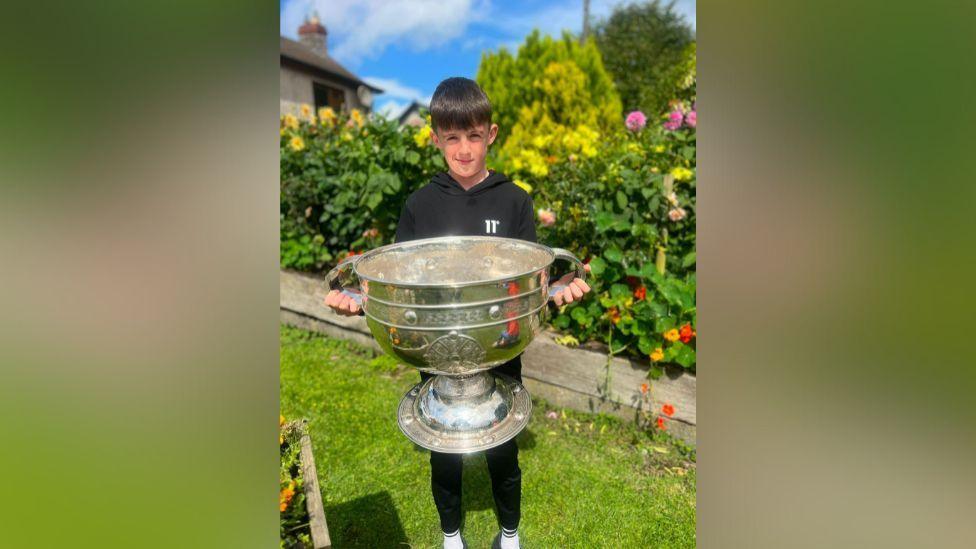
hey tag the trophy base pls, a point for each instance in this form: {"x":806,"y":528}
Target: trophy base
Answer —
{"x":458,"y":415}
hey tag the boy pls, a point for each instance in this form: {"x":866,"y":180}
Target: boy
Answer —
{"x":470,"y":200}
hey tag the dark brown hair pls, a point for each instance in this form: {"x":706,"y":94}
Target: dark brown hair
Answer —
{"x":458,"y":104}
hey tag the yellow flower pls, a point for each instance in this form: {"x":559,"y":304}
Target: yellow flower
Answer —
{"x":327,"y":115}
{"x":659,"y":149}
{"x":422,"y":137}
{"x":525,"y":186}
{"x":682,"y":174}
{"x":281,"y":420}
{"x":346,"y":136}
{"x":672,"y":335}
{"x":296,"y":143}
{"x":633,"y":147}
{"x":281,"y":439}
{"x":657,"y":355}
{"x":290,"y":121}
{"x":306,"y":110}
{"x":357,"y":117}
{"x":654,"y":169}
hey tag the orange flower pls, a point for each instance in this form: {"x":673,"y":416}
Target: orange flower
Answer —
{"x":661,"y":425}
{"x":686,"y":333}
{"x":657,"y":355}
{"x":668,"y":410}
{"x":284,"y":498}
{"x":643,"y":388}
{"x":614,"y":315}
{"x":671,"y":335}
{"x":640,"y":293}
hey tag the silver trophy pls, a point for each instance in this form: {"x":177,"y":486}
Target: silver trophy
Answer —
{"x":456,"y":307}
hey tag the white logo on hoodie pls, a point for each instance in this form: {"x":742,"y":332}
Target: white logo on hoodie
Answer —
{"x":491,"y":226}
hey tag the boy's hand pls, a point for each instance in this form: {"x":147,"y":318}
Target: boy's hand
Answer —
{"x":575,"y":288}
{"x":341,"y":303}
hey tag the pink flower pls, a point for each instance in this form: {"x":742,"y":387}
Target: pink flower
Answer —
{"x":677,"y":214}
{"x":551,"y":414}
{"x":547,"y":217}
{"x":691,"y":119}
{"x":371,"y":233}
{"x":636,"y":121}
{"x":675,"y":118}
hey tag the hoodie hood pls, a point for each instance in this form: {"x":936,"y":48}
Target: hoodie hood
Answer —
{"x":446,"y":184}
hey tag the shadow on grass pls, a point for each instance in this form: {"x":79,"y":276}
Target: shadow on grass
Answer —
{"x":370,"y":521}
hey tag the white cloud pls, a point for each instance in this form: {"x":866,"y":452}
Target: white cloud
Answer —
{"x":391,"y":109}
{"x":394,"y":89}
{"x":364,"y":28}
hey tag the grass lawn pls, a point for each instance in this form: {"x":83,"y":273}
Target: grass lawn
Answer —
{"x":587,"y":480}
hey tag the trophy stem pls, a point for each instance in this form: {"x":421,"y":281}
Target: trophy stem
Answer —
{"x":455,"y":387}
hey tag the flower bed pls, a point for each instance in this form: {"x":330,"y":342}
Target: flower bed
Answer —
{"x":302,"y":520}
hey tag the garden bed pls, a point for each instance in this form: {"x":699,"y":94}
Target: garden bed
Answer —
{"x":303,"y":524}
{"x":575,"y":378}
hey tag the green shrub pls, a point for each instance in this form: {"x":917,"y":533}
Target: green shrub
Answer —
{"x":343,"y":182}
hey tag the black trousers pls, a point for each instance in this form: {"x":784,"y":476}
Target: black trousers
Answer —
{"x":503,"y":468}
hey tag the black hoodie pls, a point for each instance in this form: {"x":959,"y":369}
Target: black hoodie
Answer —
{"x":495,"y":207}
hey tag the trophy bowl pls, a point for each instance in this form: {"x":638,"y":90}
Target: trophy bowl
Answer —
{"x":456,"y":307}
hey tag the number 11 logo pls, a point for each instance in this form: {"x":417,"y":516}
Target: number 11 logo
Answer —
{"x":491,"y":226}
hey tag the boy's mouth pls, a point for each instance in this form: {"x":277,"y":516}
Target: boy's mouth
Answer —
{"x":466,"y":162}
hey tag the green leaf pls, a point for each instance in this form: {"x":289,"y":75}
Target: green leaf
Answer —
{"x":597,"y":266}
{"x":663,"y":324}
{"x":645,"y":345}
{"x":619,"y":290}
{"x":655,"y":372}
{"x":413,"y":157}
{"x":373,"y":200}
{"x":561,"y":322}
{"x":580,"y":316}
{"x":604,"y":220}
{"x":688,"y":259}
{"x":614,"y":255}
{"x":621,"y":199}
{"x":685,"y":356}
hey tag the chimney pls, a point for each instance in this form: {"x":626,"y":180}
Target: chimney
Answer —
{"x":312,"y":34}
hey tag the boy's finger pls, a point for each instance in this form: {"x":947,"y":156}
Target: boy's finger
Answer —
{"x":577,"y":293}
{"x":567,"y":295}
{"x":583,"y":285}
{"x":353,"y":306}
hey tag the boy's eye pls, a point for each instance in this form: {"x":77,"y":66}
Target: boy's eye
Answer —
{"x":474,"y":136}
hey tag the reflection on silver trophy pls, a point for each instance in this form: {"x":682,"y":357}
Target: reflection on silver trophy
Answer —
{"x":456,"y":307}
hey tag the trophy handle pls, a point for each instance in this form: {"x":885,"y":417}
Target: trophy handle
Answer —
{"x":578,"y":269}
{"x":341,"y":274}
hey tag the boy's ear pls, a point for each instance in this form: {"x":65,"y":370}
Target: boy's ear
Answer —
{"x":492,"y":133}
{"x":434,"y":139}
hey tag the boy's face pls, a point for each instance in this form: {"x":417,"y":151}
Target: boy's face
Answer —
{"x":465,"y":150}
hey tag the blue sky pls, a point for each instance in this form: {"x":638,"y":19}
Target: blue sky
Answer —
{"x":407,"y":47}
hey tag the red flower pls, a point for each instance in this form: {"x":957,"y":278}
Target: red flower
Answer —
{"x":668,"y":410}
{"x":661,"y":425}
{"x":633,"y":282}
{"x":686,"y":333}
{"x":640,"y":293}
{"x":643,"y":388}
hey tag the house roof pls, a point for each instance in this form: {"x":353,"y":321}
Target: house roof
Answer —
{"x":300,"y":54}
{"x":413,"y":106}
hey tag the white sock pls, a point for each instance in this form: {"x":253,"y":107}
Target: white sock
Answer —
{"x":453,"y":541}
{"x":509,"y":539}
